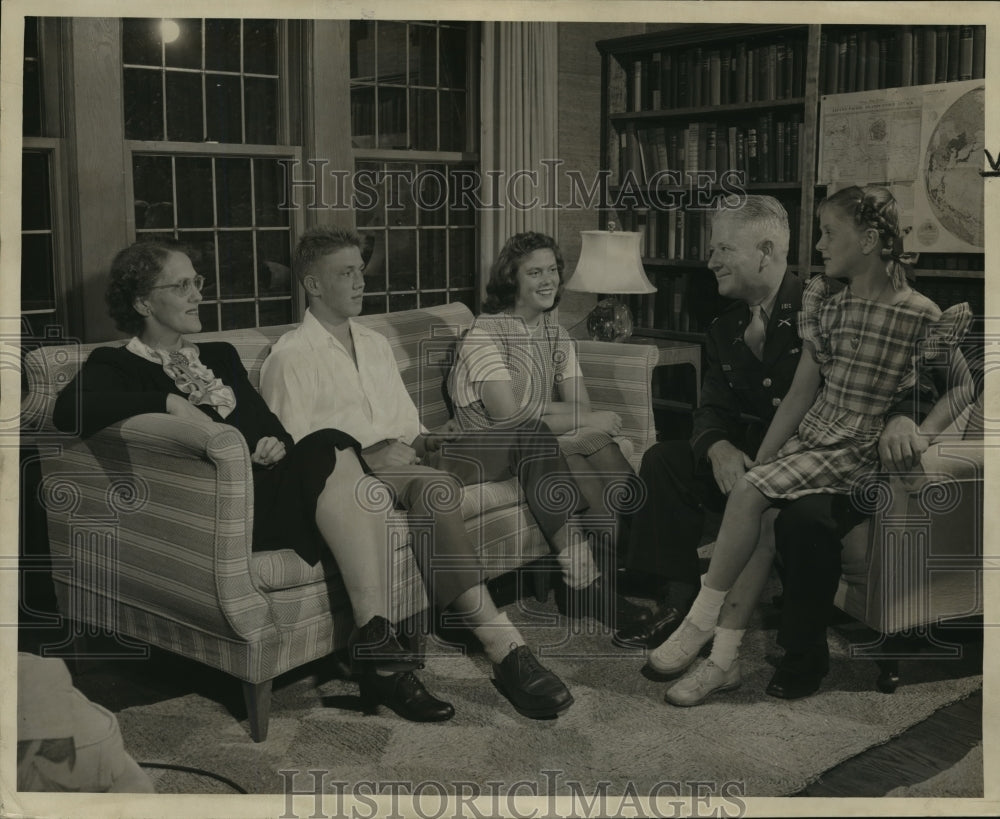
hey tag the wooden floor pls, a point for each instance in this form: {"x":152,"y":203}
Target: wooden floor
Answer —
{"x":916,"y":755}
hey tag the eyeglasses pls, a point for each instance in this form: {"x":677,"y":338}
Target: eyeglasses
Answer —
{"x":185,"y":286}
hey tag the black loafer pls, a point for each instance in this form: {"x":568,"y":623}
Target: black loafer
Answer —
{"x":374,"y":646}
{"x":598,"y":601}
{"x":794,"y":681}
{"x":532,"y":689}
{"x":664,"y":622}
{"x":405,"y":695}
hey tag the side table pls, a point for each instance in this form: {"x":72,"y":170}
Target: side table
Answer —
{"x":673,"y":353}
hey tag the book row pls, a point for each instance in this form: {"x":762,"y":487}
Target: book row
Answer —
{"x":679,"y":235}
{"x":703,"y":76}
{"x":761,"y":149}
{"x":870,"y":59}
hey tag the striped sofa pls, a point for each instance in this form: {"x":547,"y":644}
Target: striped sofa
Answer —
{"x":150,"y":520}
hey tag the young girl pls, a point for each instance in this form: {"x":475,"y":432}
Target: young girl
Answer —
{"x":860,"y":346}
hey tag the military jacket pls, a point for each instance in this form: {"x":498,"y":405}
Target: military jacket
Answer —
{"x":739,"y":392}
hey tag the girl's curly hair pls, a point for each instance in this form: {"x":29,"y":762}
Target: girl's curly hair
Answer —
{"x":501,"y":289}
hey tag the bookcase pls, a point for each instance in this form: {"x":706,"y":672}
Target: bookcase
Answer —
{"x":697,"y":111}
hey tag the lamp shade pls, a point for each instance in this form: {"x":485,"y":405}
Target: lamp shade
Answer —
{"x":610,"y":262}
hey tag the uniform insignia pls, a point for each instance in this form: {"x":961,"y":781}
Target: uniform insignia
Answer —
{"x":784,"y":322}
{"x":786,"y":306}
{"x":727,"y":366}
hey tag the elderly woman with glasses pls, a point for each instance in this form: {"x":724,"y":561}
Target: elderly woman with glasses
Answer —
{"x":304,"y":492}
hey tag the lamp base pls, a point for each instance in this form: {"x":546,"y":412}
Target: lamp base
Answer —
{"x":610,"y":320}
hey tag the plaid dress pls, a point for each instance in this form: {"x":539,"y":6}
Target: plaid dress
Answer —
{"x":867,"y":352}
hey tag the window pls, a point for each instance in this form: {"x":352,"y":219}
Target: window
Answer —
{"x":205,"y":122}
{"x":40,"y":296}
{"x":413,"y":131}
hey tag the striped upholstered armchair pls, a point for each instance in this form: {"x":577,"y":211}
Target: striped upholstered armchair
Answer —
{"x":150,"y":520}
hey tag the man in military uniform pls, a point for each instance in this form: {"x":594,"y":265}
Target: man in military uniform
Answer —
{"x":752,"y":351}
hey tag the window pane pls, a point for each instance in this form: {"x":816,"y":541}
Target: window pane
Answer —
{"x":185,"y":51}
{"x":369,"y":196}
{"x":400,"y":208}
{"x":224,"y":108}
{"x":238,"y":316}
{"x":465,"y":188}
{"x":274,"y":276}
{"x":275,"y":312}
{"x":433,"y":261}
{"x":232,"y":197}
{"x":153,"y":188}
{"x":453,"y":58}
{"x":391,"y":117}
{"x":235,"y":264}
{"x":262,"y":110}
{"x":209,"y":318}
{"x":373,"y":305}
{"x":362,"y":50}
{"x":363,"y":117}
{"x":260,"y":46}
{"x":423,"y":55}
{"x":194,"y":191}
{"x":433,"y":298}
{"x":430,"y":192}
{"x":35,"y":207}
{"x":452,"y":120}
{"x":392,"y":53}
{"x":143,"y":104}
{"x":222,"y":45}
{"x":141,"y":41}
{"x":402,"y":260}
{"x":461,"y":257}
{"x":201,"y":249}
{"x":402,"y":301}
{"x":466,"y":297}
{"x":37,"y":286}
{"x":423,"y":115}
{"x":373,"y":253}
{"x":184,"y":121}
{"x":268,"y":193}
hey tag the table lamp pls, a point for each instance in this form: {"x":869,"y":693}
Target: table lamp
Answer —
{"x":610,"y":262}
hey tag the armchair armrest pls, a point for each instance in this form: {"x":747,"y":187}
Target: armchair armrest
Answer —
{"x":619,"y":378}
{"x":156,"y":513}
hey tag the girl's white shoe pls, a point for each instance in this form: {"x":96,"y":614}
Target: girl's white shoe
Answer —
{"x":704,"y":679}
{"x":680,"y":649}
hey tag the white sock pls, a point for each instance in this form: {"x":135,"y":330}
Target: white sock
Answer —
{"x":498,"y":637}
{"x":706,"y":607}
{"x":577,"y":564}
{"x":726,"y":647}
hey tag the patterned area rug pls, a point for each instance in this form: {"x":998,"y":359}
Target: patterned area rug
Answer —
{"x":619,"y":730}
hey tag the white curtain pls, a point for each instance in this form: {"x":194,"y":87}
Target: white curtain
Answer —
{"x":520,"y":120}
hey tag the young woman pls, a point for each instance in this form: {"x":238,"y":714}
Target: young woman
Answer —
{"x":303,"y":493}
{"x":517,"y":370}
{"x":860,"y":345}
